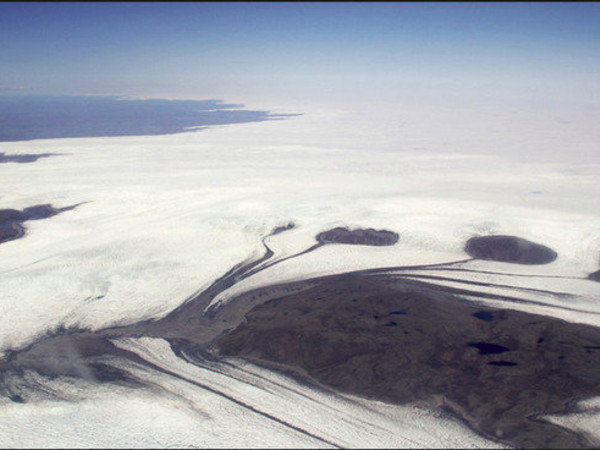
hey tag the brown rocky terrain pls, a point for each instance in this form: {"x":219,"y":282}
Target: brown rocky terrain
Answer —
{"x":11,"y":220}
{"x":509,"y":249}
{"x":359,"y":236}
{"x":404,"y":342}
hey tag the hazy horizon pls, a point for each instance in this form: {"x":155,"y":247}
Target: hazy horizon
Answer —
{"x":542,"y":53}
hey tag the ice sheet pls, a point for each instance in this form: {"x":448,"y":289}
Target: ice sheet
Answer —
{"x":167,"y":215}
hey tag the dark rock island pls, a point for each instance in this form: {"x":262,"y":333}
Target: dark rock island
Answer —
{"x":509,"y":249}
{"x":594,"y":276}
{"x":23,"y":158}
{"x":402,"y":342}
{"x":360,"y":236}
{"x":11,"y":220}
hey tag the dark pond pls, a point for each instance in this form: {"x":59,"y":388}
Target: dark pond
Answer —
{"x":486,"y":316}
{"x":486,"y":348}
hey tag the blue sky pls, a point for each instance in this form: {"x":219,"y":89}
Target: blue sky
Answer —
{"x":537,"y":51}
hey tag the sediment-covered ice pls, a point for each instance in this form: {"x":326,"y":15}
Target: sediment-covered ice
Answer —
{"x":245,"y":406}
{"x":344,"y":421}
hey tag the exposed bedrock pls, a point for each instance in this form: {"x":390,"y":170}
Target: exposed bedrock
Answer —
{"x":359,"y":236}
{"x":403,"y":342}
{"x":23,"y":158}
{"x":12,"y":215}
{"x":595,"y":276}
{"x":11,"y":220}
{"x":283,"y":228}
{"x":10,"y":232}
{"x":509,"y":249}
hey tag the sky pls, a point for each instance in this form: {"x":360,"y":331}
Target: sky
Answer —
{"x":531,"y":52}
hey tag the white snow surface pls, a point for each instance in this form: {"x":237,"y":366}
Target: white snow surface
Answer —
{"x":166,"y":215}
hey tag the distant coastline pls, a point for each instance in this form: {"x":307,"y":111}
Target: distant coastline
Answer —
{"x":24,"y":118}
